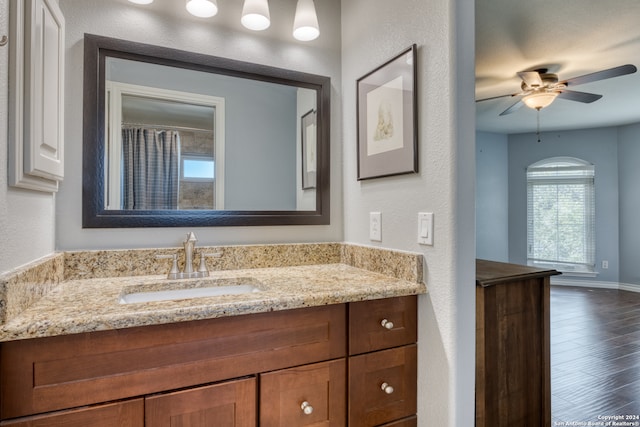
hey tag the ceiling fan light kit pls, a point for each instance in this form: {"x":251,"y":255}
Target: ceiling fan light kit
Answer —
{"x":540,"y":88}
{"x":539,"y":100}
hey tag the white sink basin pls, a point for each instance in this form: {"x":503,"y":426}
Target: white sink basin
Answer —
{"x":141,"y":296}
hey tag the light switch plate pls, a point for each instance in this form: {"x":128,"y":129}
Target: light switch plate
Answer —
{"x":375,"y":226}
{"x":425,"y":228}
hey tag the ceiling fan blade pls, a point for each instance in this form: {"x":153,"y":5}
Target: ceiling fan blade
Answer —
{"x":573,"y":95}
{"x":498,"y":97}
{"x":531,"y":78}
{"x":515,"y":107}
{"x":601,"y":75}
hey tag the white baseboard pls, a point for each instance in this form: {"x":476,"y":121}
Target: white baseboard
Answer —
{"x":632,"y":287}
{"x":556,"y":281}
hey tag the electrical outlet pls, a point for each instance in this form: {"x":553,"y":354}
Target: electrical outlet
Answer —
{"x":605,"y":265}
{"x":375,"y":226}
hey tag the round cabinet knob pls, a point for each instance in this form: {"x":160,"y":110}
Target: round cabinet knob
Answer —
{"x":386,"y":388}
{"x":306,"y":408}
{"x":387,"y":324}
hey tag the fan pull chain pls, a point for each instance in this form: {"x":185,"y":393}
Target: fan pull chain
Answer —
{"x":538,"y":120}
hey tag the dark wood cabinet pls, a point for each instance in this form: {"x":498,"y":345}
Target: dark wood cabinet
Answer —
{"x":383,"y":361}
{"x":122,"y":414}
{"x":385,"y":383}
{"x":379,"y":324}
{"x":229,"y":404}
{"x":286,"y":368}
{"x":512,"y":345}
{"x":310,"y":395}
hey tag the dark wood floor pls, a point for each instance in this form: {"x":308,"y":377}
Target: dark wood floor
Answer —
{"x":595,"y":354}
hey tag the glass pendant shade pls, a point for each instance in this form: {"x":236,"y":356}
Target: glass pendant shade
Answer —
{"x":305,"y":24}
{"x":202,"y":8}
{"x":141,"y":1}
{"x":539,"y":100}
{"x":255,"y":15}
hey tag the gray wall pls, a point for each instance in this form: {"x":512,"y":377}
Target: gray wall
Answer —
{"x":614,"y":151}
{"x":27,"y":219}
{"x":220,"y":36}
{"x":628,"y":160}
{"x":373,"y":32}
{"x":492,"y":196}
{"x":597,"y":146}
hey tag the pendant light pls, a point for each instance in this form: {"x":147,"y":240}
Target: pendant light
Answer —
{"x":255,"y":15}
{"x":305,"y":23}
{"x":202,"y":8}
{"x":141,"y":1}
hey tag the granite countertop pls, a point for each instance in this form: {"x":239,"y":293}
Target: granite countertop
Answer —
{"x":86,"y":305}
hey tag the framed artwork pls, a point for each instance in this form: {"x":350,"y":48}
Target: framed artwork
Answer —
{"x":387,"y":118}
{"x":309,"y":149}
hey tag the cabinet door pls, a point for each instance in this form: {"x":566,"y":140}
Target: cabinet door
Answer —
{"x":230,"y":404}
{"x":123,"y":414}
{"x":36,"y":98}
{"x":310,"y":395}
{"x":382,"y":386}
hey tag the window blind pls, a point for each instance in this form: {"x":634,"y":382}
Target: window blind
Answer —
{"x":561,"y":215}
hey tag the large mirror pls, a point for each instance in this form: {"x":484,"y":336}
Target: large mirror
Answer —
{"x":175,"y":138}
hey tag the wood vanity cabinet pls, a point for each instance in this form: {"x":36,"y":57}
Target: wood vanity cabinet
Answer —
{"x":284,"y":368}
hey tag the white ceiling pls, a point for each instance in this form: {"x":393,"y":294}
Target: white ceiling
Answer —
{"x":570,"y":38}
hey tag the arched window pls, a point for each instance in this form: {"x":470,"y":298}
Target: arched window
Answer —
{"x":561,"y":214}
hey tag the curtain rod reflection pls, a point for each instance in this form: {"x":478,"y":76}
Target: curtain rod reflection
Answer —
{"x":185,"y":128}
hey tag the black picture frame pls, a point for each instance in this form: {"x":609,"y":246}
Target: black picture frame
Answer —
{"x":387,"y":118}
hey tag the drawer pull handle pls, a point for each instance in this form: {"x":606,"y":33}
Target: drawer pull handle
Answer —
{"x":386,"y":388}
{"x":387,"y":324}
{"x":306,"y":408}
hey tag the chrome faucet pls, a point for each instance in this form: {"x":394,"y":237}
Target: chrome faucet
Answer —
{"x":188,"y":271}
{"x":189,"y":246}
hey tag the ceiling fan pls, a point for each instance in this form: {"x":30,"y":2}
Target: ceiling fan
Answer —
{"x":539,"y":88}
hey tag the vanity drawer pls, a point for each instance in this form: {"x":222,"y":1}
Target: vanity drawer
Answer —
{"x":129,"y":413}
{"x":382,"y":386}
{"x":55,"y":373}
{"x":320,"y":389}
{"x":380,"y":324}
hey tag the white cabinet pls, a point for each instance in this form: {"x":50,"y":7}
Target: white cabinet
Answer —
{"x":36,"y":98}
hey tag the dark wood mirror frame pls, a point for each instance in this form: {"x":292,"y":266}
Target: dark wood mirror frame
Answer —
{"x":94,"y":215}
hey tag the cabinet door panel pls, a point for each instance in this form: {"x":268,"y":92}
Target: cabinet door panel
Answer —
{"x":367,"y":331}
{"x":231,"y":404}
{"x":322,"y":386}
{"x":372,"y":402}
{"x":122,"y":414}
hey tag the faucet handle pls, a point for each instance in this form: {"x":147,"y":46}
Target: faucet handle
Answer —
{"x":202,"y":269}
{"x":174,"y":272}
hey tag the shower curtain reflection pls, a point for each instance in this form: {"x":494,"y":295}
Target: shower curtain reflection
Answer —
{"x":150,"y":168}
